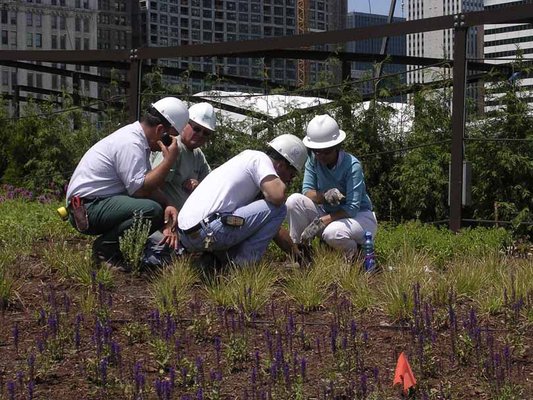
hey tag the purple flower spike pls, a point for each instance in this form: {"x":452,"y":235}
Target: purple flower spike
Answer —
{"x":139,"y":377}
{"x":15,"y":333}
{"x":11,"y":390}
{"x":303,"y":368}
{"x":103,"y":371}
{"x":31,"y":365}
{"x":218,"y":348}
{"x":200,"y":394}
{"x":31,"y":389}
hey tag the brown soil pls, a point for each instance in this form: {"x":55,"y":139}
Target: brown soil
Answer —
{"x":368,"y":353}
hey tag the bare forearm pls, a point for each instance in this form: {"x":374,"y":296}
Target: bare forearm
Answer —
{"x":316,"y":196}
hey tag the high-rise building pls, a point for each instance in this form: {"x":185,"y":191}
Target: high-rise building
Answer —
{"x":439,"y":44}
{"x":396,"y":46}
{"x":47,"y":25}
{"x":114,"y":32}
{"x":503,"y":43}
{"x":175,"y":23}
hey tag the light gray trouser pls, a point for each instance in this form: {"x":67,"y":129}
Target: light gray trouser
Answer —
{"x":343,"y":234}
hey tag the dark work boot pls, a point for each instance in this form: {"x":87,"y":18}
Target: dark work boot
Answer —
{"x":109,"y":254}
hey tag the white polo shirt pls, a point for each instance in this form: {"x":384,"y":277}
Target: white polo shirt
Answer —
{"x":117,"y":164}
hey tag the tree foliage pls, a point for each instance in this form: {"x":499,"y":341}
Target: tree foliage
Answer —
{"x":406,"y":167}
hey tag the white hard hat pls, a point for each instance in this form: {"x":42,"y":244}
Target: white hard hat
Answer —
{"x":203,"y":114}
{"x":291,"y":148}
{"x":323,"y":132}
{"x":174,"y":110}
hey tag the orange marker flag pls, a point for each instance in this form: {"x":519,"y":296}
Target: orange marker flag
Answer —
{"x":403,"y":374}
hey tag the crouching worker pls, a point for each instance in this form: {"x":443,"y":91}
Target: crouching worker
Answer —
{"x":239,"y":207}
{"x":189,"y":169}
{"x":113,"y":183}
{"x":334,"y":205}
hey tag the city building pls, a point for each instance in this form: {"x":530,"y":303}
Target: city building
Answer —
{"x":47,"y":25}
{"x":396,"y":46}
{"x":439,"y":44}
{"x":175,"y":23}
{"x":114,"y":32}
{"x":503,"y":43}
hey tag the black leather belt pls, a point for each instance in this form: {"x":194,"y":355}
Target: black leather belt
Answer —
{"x":198,"y":226}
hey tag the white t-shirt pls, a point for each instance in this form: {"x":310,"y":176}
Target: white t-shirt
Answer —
{"x":234,"y":184}
{"x":117,"y":164}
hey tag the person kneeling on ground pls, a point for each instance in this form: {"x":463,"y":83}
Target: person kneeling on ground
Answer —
{"x":335,"y":204}
{"x":189,"y":169}
{"x":114,"y":183}
{"x":239,"y":207}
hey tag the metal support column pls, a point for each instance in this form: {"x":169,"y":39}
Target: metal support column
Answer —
{"x":76,"y":98}
{"x":134,"y":78}
{"x":458,"y":122}
{"x":385,"y":39}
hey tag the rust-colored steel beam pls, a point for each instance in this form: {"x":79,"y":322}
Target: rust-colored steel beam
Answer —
{"x":65,"y":56}
{"x":60,"y":71}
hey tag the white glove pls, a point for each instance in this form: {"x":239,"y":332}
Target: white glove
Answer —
{"x":334,"y":197}
{"x":313,"y":229}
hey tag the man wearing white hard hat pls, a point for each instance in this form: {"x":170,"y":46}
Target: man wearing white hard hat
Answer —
{"x":189,"y":169}
{"x":114,"y":180}
{"x":335,"y":204}
{"x":239,"y":207}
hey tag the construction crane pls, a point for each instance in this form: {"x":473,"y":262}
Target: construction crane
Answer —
{"x":303,"y":27}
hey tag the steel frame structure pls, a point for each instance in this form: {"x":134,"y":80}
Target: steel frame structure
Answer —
{"x":522,"y":13}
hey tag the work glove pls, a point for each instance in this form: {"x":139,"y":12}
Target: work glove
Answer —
{"x":313,"y":229}
{"x":334,"y":197}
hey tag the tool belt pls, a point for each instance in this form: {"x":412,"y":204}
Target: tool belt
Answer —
{"x":226,"y":219}
{"x":198,"y":226}
{"x":79,"y":213}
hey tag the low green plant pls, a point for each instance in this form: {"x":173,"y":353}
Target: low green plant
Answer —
{"x":404,"y":269}
{"x":217,"y":290}
{"x":133,"y":242}
{"x":357,"y":284}
{"x":162,"y":353}
{"x":74,"y":262}
{"x":136,"y":332}
{"x":245,"y":288}
{"x":237,"y":352}
{"x":171,"y":287}
{"x":307,"y":287}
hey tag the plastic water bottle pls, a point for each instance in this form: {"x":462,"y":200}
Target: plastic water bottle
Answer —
{"x":369,"y":262}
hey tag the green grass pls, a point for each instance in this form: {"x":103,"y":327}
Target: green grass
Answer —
{"x":245,"y":288}
{"x":24,"y":223}
{"x":7,"y":278}
{"x":74,"y":262}
{"x":171,"y":286}
{"x":307,"y":287}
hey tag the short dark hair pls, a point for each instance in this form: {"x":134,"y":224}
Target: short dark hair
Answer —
{"x":273,"y":154}
{"x":152,"y":117}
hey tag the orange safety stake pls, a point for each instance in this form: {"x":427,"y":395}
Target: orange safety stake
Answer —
{"x":403,"y":374}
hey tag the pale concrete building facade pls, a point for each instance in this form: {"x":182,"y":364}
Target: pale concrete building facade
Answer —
{"x":47,"y":25}
{"x":439,"y":44}
{"x":503,"y":43}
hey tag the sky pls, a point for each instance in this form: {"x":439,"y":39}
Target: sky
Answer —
{"x":375,"y":6}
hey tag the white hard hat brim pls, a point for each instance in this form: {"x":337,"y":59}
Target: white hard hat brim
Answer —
{"x":324,"y":145}
{"x":204,"y":125}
